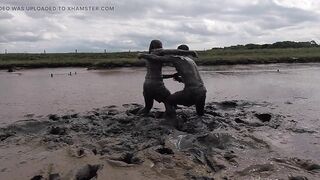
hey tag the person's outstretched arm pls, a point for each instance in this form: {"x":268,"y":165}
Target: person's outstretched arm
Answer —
{"x":179,"y":52}
{"x":153,"y":57}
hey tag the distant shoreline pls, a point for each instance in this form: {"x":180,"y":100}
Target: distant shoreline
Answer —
{"x":129,"y":59}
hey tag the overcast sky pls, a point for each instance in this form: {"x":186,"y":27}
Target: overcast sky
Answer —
{"x":202,"y":24}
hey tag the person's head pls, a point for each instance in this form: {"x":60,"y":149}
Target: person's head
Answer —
{"x":155,"y":44}
{"x":183,"y":47}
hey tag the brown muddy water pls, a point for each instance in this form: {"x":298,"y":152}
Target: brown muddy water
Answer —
{"x":261,"y":122}
{"x":33,"y":92}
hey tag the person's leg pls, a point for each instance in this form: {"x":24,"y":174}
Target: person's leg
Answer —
{"x":162,"y":94}
{"x":170,"y":114}
{"x":170,"y":110}
{"x":148,"y":99}
{"x":181,"y":98}
{"x":148,"y":105}
{"x":200,"y":103}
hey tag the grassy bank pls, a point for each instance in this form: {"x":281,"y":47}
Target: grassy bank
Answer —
{"x":127,"y":59}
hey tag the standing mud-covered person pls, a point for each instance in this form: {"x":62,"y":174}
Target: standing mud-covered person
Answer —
{"x":194,"y":92}
{"x":153,"y":87}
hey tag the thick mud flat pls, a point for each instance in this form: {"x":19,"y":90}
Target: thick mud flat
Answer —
{"x":236,"y":139}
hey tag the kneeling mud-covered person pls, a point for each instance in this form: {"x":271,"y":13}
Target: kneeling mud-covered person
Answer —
{"x":194,"y":92}
{"x":153,"y":87}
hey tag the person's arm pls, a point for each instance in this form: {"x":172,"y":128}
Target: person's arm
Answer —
{"x":178,"y":78}
{"x":175,"y":76}
{"x":167,"y":76}
{"x":179,"y":52}
{"x":153,"y":57}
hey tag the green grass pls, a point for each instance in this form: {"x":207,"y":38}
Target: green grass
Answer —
{"x":259,"y":56}
{"x":127,"y":59}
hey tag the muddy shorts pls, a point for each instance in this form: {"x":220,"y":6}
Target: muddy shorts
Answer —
{"x":156,"y":90}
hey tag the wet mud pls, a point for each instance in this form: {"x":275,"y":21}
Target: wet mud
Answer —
{"x":115,"y":143}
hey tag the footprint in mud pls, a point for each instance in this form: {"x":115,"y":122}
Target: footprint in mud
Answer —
{"x":37,"y":177}
{"x":194,"y":177}
{"x":66,"y":117}
{"x":57,"y":130}
{"x":126,"y":159}
{"x":53,"y":117}
{"x":77,"y":152}
{"x":240,"y":121}
{"x":29,"y":115}
{"x":230,"y":157}
{"x":298,"y":178}
{"x":4,"y":136}
{"x":301,"y":130}
{"x":130,"y":158}
{"x":55,"y":176}
{"x":88,"y":172}
{"x":30,"y":126}
{"x":264,"y":117}
{"x":132,"y":109}
{"x":257,"y":168}
{"x":228,"y":104}
{"x":166,"y":151}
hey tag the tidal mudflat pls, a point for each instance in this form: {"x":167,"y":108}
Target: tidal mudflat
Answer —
{"x":260,"y":123}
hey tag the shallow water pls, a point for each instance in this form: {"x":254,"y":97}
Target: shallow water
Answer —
{"x":290,"y":96}
{"x":33,"y":92}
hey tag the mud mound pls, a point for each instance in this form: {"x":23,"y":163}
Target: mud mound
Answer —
{"x":223,"y":144}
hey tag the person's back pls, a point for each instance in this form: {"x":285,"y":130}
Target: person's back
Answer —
{"x":188,"y":70}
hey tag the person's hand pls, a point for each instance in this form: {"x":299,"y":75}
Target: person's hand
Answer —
{"x":142,"y":55}
{"x":195,"y":54}
{"x":178,"y":78}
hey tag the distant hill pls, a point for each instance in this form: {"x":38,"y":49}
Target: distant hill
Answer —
{"x":282,"y":44}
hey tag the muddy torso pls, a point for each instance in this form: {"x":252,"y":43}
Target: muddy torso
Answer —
{"x":153,"y":86}
{"x":154,"y":71}
{"x":188,"y":70}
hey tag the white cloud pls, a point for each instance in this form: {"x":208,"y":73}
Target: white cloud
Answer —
{"x":133,"y":24}
{"x":313,"y":5}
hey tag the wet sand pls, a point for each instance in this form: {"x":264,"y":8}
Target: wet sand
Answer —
{"x":236,"y":139}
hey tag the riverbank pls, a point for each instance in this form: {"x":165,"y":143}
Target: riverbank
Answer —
{"x":233,"y":140}
{"x":129,"y":59}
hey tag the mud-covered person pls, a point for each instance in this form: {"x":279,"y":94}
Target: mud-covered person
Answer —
{"x":194,"y":92}
{"x":153,"y":86}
